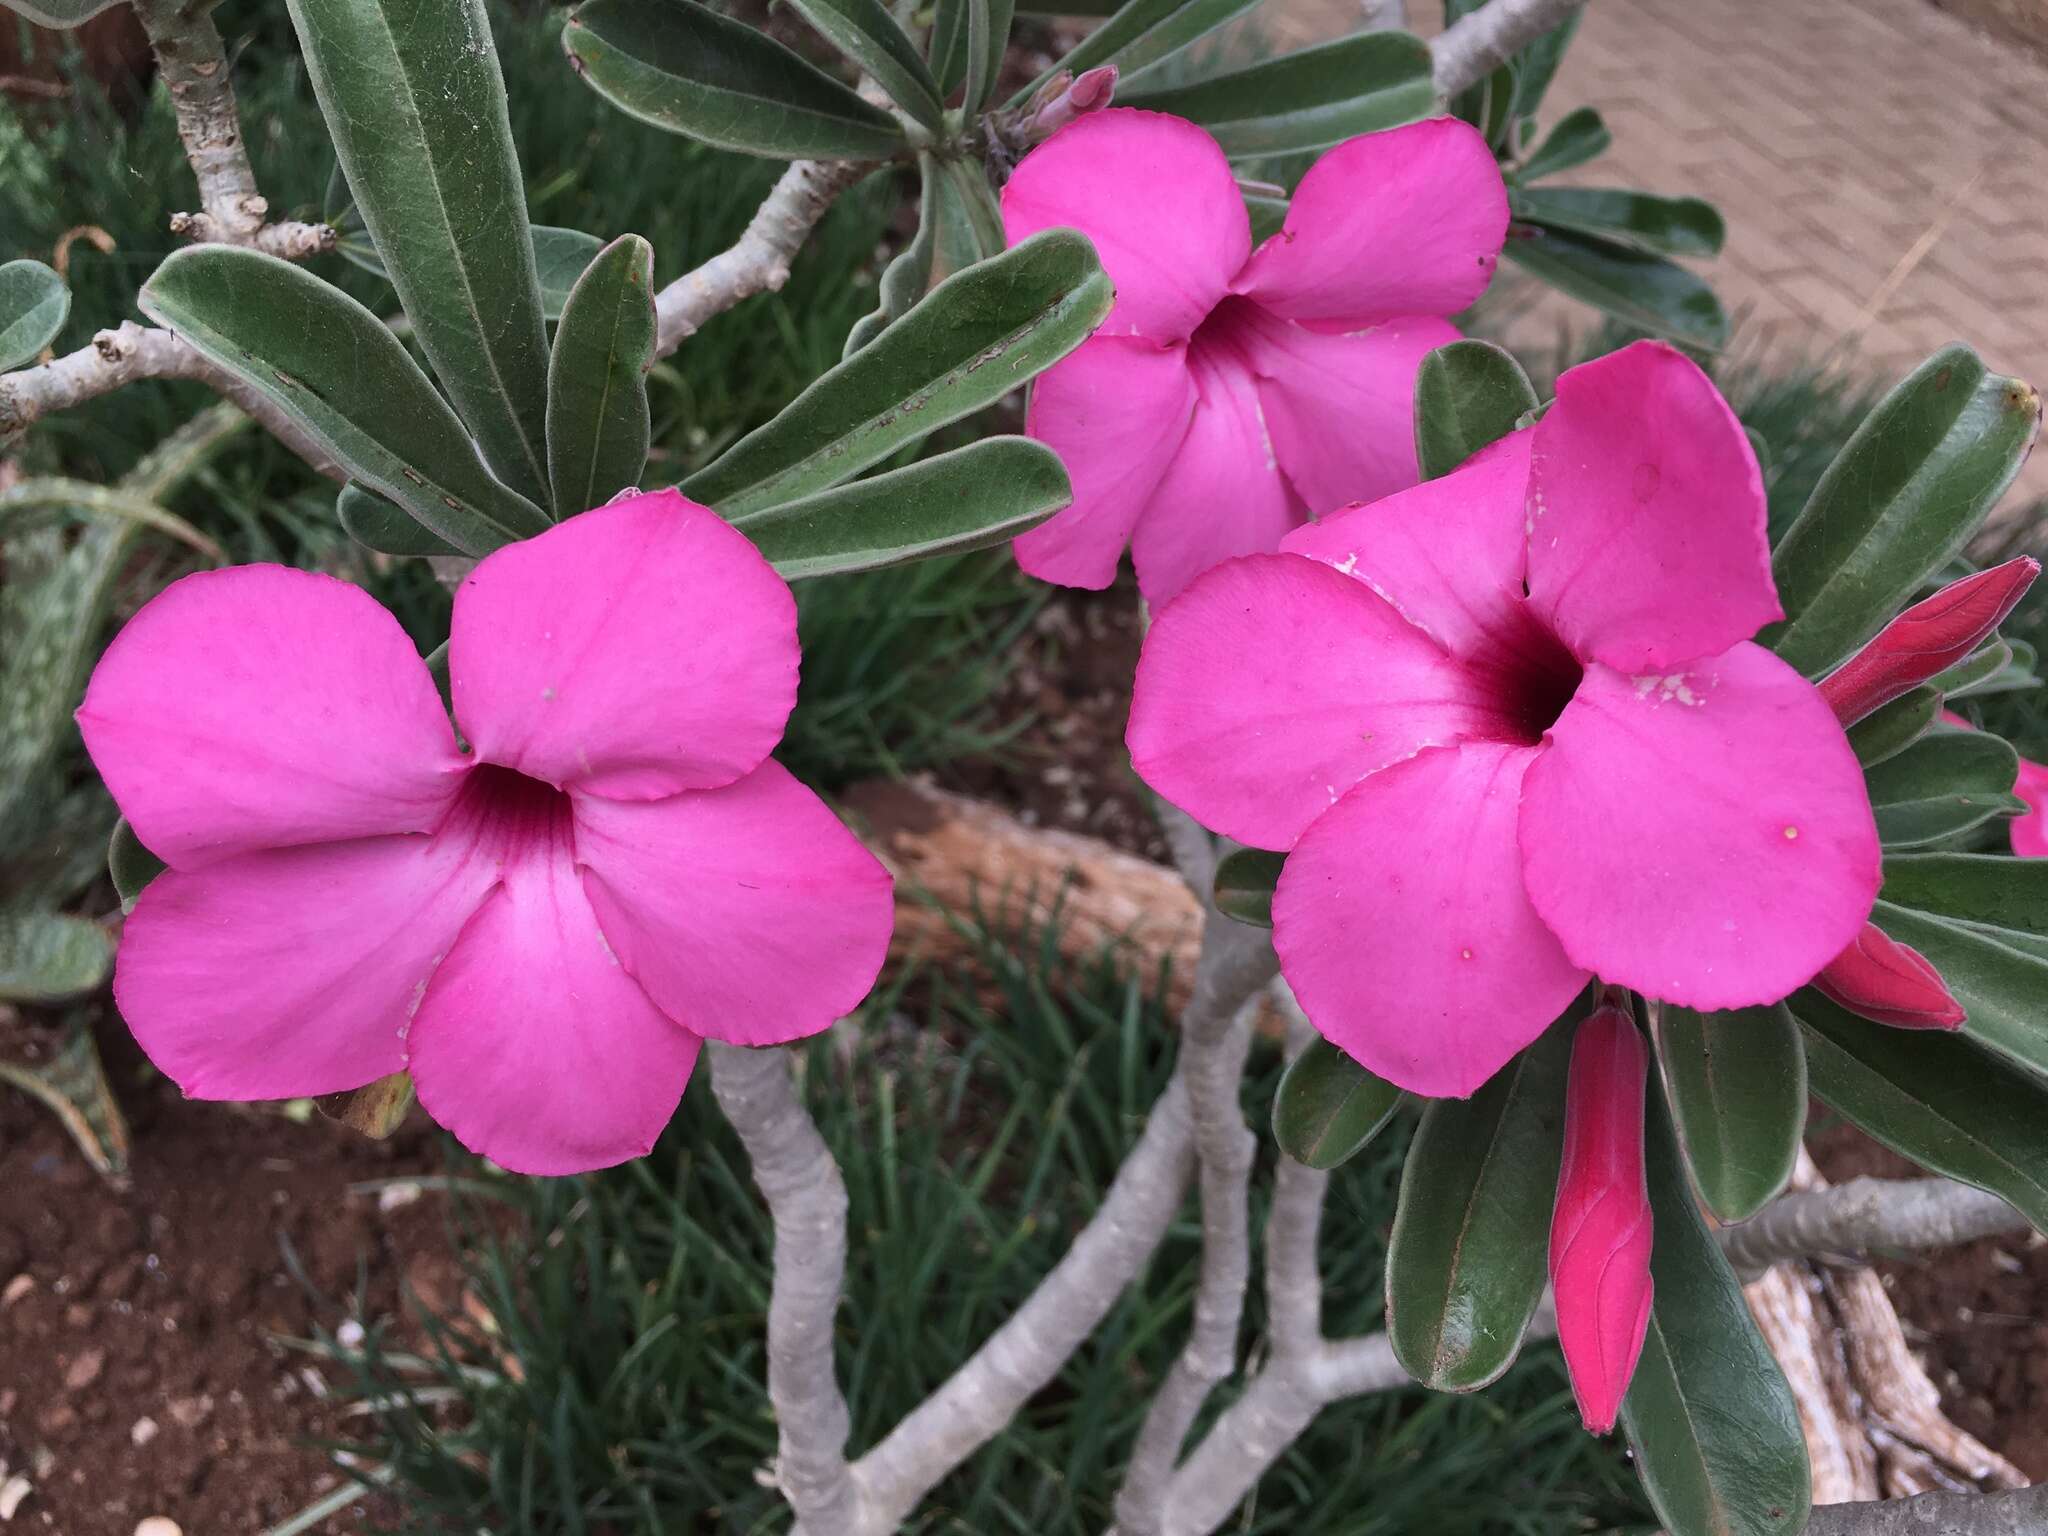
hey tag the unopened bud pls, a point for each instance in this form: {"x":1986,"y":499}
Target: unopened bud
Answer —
{"x":1927,"y":638}
{"x":1089,"y":93}
{"x":1887,"y":982}
{"x":1600,"y":1230}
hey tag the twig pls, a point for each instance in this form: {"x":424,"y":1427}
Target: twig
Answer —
{"x":1214,"y":1043}
{"x":807,"y":1200}
{"x":194,"y":69}
{"x":1294,"y":1279}
{"x":2020,"y":1513}
{"x":1472,"y":48}
{"x":1192,"y":846}
{"x":759,"y":260}
{"x":1866,"y":1215}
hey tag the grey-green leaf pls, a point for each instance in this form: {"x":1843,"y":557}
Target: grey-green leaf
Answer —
{"x":1937,"y":1098}
{"x":1579,"y":136}
{"x":384,"y":526}
{"x":415,"y":103}
{"x":988,"y":33}
{"x":48,"y":956}
{"x":1640,"y":289}
{"x":1243,"y":885}
{"x":1309,"y":99}
{"x":130,"y":865}
{"x":63,"y":14}
{"x":1974,"y":670}
{"x":948,"y":240}
{"x":1140,"y":34}
{"x":986,"y":493}
{"x":332,"y":366}
{"x":1888,"y":731}
{"x":865,"y":32}
{"x":559,"y":257}
{"x":2002,"y":985}
{"x":1670,"y":226}
{"x":1898,"y":502}
{"x":1713,"y":1424}
{"x":1328,"y":1107}
{"x":1469,"y":1252}
{"x":598,"y":418}
{"x":1737,"y":1084}
{"x":1945,"y":783}
{"x":34,"y":304}
{"x":972,"y":340}
{"x":683,"y":67}
{"x":1467,"y":394}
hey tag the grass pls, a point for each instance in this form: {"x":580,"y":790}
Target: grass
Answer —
{"x":975,"y":1138}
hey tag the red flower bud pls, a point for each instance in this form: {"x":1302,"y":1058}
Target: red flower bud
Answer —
{"x":1889,"y":983}
{"x":1600,"y":1230}
{"x":1089,"y":93}
{"x":1927,"y":638}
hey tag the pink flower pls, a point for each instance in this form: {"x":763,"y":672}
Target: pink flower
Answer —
{"x":1887,"y":982}
{"x":1927,"y":638}
{"x":1195,"y":423}
{"x":1600,"y":1231}
{"x":2030,"y":832}
{"x":1510,"y":727}
{"x":541,"y":928}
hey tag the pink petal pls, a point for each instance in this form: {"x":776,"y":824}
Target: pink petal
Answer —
{"x":635,"y":650}
{"x":1115,"y":411}
{"x":1222,"y":494}
{"x":1406,"y":222}
{"x":1448,"y":553}
{"x":1341,"y":409}
{"x":749,"y":913}
{"x":1158,"y":200}
{"x":261,"y":707}
{"x":1600,"y":1231}
{"x":1929,"y":637}
{"x":532,"y":1044}
{"x":1702,"y":836}
{"x":1401,"y":924}
{"x":1272,"y":685}
{"x":292,"y":971}
{"x":1646,"y":539}
{"x":1891,"y":983}
{"x":2030,"y":832}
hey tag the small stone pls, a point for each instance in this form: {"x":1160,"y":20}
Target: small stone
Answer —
{"x":190,"y":1412}
{"x":17,"y":1288}
{"x":85,"y":1370}
{"x":350,"y":1334}
{"x":12,"y":1492}
{"x":142,"y":1431}
{"x":159,"y":1525}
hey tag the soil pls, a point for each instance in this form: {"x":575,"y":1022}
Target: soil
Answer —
{"x":142,"y":1371}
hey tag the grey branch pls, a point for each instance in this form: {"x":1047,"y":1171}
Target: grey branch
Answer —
{"x":1472,"y":48}
{"x":807,"y":1201}
{"x":194,"y":69}
{"x":2022,"y":1513}
{"x":1864,"y":1216}
{"x":1215,"y":1037}
{"x":759,"y":260}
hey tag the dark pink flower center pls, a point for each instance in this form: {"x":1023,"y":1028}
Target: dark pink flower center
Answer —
{"x":509,"y":816}
{"x":1534,"y":675}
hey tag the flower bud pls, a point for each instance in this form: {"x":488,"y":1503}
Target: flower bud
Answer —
{"x":1089,"y":93}
{"x":1927,"y":638}
{"x":1891,"y":983}
{"x":1600,"y":1230}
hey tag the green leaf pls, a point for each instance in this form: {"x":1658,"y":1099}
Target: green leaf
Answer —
{"x":1268,"y":215}
{"x":378,"y":524}
{"x":1898,"y":502}
{"x":1536,"y":65}
{"x":972,"y":340}
{"x":988,"y":34}
{"x":2003,"y":987}
{"x":1328,"y":1106}
{"x":1489,"y":106}
{"x":1469,"y":1252}
{"x":1937,"y":1098}
{"x":1709,"y":1415}
{"x":1308,"y":99}
{"x":416,"y":106}
{"x":947,"y":46}
{"x":1139,"y":35}
{"x":1890,"y":730}
{"x":1737,"y":1084}
{"x":865,"y":32}
{"x":948,"y":240}
{"x":1942,"y":784}
{"x":1467,"y":394}
{"x":1639,"y":289}
{"x":130,"y":865}
{"x":34,"y":304}
{"x":331,"y":365}
{"x":684,"y":67}
{"x":1579,"y":136}
{"x":1244,"y":883}
{"x":1974,"y":670}
{"x":1672,"y":226}
{"x":63,"y":14}
{"x":986,"y":493}
{"x":560,"y":257}
{"x":1987,"y":890}
{"x":48,"y":956}
{"x":598,"y":419}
